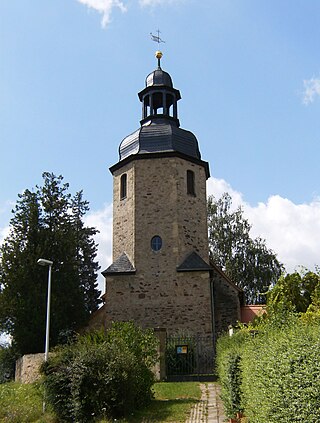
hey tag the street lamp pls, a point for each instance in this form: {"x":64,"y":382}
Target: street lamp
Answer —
{"x":44,"y":262}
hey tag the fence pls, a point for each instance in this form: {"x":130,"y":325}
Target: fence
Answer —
{"x":189,"y":358}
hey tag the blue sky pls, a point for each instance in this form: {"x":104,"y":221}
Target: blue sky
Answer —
{"x":249,"y":76}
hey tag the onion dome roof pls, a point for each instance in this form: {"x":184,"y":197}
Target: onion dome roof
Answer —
{"x":160,"y":130}
{"x":159,"y":137}
{"x":159,"y":77}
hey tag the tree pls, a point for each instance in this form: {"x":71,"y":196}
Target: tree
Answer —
{"x":296,"y":292}
{"x":8,"y":357}
{"x":246,"y":261}
{"x":47,"y":223}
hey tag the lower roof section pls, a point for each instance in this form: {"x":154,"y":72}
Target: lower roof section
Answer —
{"x":121,"y":266}
{"x":193,"y":263}
{"x":163,"y":154}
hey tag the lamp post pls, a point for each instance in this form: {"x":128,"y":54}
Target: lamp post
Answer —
{"x":44,"y":262}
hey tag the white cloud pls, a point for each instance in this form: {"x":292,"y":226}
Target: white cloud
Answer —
{"x":4,"y":232}
{"x":290,"y":230}
{"x":157,"y":2}
{"x":104,"y":7}
{"x":102,"y":220}
{"x":311,"y":90}
{"x":5,"y":339}
{"x":217,"y":187}
{"x":5,"y":216}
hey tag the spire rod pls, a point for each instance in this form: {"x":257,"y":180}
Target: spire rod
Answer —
{"x":158,"y":40}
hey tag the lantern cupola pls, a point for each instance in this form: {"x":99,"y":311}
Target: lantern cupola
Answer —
{"x":160,"y":130}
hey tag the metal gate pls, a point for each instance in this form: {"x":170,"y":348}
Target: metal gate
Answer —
{"x":189,"y":358}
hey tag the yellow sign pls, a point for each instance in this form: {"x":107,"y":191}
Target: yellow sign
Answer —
{"x":182,"y":349}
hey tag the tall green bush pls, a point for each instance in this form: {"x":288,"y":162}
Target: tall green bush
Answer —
{"x":102,"y":375}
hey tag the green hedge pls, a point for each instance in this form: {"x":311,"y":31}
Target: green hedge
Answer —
{"x":274,"y":375}
{"x":229,"y":351}
{"x":281,"y":375}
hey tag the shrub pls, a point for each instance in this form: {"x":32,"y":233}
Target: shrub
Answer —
{"x":102,"y":374}
{"x":142,"y":342}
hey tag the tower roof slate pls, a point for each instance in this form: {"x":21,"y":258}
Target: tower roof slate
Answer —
{"x":160,"y":136}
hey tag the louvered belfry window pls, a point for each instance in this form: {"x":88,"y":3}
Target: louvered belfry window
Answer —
{"x":123,"y":186}
{"x":190,"y":183}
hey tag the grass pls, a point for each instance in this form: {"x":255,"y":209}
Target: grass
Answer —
{"x":172,"y":403}
{"x":21,"y":403}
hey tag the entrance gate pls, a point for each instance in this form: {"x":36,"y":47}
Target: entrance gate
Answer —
{"x":189,"y":358}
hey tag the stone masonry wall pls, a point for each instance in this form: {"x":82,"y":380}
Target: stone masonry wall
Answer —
{"x":180,"y":303}
{"x":164,"y":208}
{"x":124,"y":214}
{"x":27,"y":368}
{"x":157,"y":203}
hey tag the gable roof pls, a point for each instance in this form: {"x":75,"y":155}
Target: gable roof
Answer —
{"x":193,"y":263}
{"x":122,"y":265}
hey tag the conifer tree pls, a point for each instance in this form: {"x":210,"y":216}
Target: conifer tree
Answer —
{"x":47,"y":223}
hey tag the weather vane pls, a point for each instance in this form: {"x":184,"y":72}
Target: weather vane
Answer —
{"x":157,"y":38}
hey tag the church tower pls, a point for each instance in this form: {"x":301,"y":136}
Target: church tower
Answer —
{"x":160,"y":275}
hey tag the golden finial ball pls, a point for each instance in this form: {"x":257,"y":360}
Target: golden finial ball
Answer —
{"x":158,"y":54}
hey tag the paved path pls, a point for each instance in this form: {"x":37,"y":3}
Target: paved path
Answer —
{"x":210,"y":408}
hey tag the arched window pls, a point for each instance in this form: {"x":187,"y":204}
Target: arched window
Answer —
{"x":190,"y":183}
{"x":156,"y":243}
{"x":169,"y":104}
{"x":123,"y":186}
